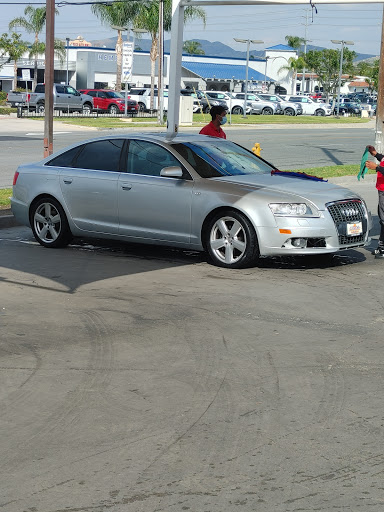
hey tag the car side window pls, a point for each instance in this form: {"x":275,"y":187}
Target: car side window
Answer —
{"x":102,"y":94}
{"x":147,"y":158}
{"x":101,"y":155}
{"x":65,"y":159}
{"x":71,"y":90}
{"x":92,"y":93}
{"x":60,"y":89}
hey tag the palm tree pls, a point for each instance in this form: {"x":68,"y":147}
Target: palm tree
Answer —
{"x":295,"y":41}
{"x":193,"y":48}
{"x":148,"y":19}
{"x":14,"y":48}
{"x":118,"y":15}
{"x":34,"y":23}
{"x":293,"y":66}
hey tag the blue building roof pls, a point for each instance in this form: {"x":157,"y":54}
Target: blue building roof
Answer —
{"x":282,"y":47}
{"x":209,"y":70}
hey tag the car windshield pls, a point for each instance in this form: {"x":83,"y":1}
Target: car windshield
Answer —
{"x":213,"y":159}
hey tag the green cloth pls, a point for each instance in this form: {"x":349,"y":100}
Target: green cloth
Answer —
{"x":363,"y":168}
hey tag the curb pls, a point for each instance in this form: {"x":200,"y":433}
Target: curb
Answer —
{"x":8,"y":220}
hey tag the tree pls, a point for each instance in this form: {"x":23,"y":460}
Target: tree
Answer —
{"x":193,"y":48}
{"x":119,"y":16}
{"x":295,"y":41}
{"x":13,"y":48}
{"x":147,"y":18}
{"x":326,"y":64}
{"x":34,"y":23}
{"x":293,"y":66}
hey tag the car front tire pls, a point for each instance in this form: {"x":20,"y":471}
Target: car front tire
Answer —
{"x":231,"y":241}
{"x":320,"y":112}
{"x":237,"y":111}
{"x":114,"y":109}
{"x":267,"y":111}
{"x":49,"y":223}
{"x":289,"y":112}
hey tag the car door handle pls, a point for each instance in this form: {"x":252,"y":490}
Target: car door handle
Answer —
{"x":67,"y":181}
{"x":126,"y":186}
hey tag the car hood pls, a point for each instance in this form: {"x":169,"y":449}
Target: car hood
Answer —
{"x":290,"y":188}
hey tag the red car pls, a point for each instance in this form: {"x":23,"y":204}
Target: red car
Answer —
{"x":105,"y":100}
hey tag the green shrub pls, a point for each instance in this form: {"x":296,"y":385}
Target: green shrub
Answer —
{"x":6,"y":110}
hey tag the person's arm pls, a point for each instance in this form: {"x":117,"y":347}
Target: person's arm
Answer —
{"x":374,"y":167}
{"x":374,"y":153}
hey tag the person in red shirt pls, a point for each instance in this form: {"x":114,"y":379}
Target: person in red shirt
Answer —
{"x":219,"y":117}
{"x":379,"y":252}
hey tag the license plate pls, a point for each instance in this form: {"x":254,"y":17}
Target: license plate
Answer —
{"x":354,"y":228}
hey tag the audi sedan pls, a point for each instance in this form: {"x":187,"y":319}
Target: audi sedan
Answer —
{"x":188,"y":191}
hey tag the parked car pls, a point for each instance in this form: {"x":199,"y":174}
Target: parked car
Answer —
{"x":143,"y":97}
{"x":234,"y":105}
{"x":311,"y":107}
{"x":288,"y":108}
{"x":65,"y":98}
{"x":189,"y":191}
{"x":105,"y":100}
{"x":260,"y":106}
{"x":348,"y":108}
{"x":204,"y":102}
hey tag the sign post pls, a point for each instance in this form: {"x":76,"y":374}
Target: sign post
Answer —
{"x":127,"y":68}
{"x":26,"y":76}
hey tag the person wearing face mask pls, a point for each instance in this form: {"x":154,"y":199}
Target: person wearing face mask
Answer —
{"x":219,"y":118}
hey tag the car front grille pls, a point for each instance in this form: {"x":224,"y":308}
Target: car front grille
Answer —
{"x":346,"y":212}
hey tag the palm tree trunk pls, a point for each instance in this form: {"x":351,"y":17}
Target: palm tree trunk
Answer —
{"x":153,"y":55}
{"x":35,"y":65}
{"x":294,"y":78}
{"x":14,"y":86}
{"x":119,"y":60}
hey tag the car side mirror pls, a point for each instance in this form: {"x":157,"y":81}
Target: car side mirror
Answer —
{"x":172,"y":171}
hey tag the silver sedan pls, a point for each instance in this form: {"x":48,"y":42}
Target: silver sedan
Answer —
{"x":190,"y":191}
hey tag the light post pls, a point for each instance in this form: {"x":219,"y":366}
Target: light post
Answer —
{"x":67,"y":40}
{"x":336,"y":41}
{"x":248,"y":42}
{"x":265,"y":73}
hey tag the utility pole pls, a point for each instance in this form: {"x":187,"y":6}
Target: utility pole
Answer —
{"x":160,"y":86}
{"x":379,"y":139}
{"x":49,"y":77}
{"x":305,"y":51}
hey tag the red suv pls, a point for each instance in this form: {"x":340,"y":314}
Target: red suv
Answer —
{"x":112,"y":102}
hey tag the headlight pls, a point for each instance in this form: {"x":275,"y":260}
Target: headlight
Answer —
{"x":215,"y":103}
{"x":290,"y":209}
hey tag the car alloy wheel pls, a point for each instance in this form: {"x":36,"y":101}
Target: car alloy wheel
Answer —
{"x":49,"y":223}
{"x":113,"y":109}
{"x":237,"y":111}
{"x":231,"y":240}
{"x":289,"y":112}
{"x":320,"y":112}
{"x":40,"y":108}
{"x":87,"y":110}
{"x":267,"y":111}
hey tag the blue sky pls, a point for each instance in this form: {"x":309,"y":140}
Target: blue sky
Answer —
{"x":360,"y":23}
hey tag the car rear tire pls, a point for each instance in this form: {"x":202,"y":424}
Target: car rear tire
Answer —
{"x":141,"y":106}
{"x":207,"y":110}
{"x":49,"y":223}
{"x":289,"y":111}
{"x":87,"y":109}
{"x":114,"y":109}
{"x":230,"y":240}
{"x":40,"y":108}
{"x":237,"y":111}
{"x":320,"y":112}
{"x":267,"y":111}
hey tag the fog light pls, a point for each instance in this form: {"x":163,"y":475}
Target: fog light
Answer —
{"x":299,"y":242}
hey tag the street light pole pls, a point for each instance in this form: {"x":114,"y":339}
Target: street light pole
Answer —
{"x":265,"y":74}
{"x":67,"y":40}
{"x":248,"y":42}
{"x":336,"y":41}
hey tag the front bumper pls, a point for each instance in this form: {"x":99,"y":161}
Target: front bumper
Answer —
{"x":320,"y":234}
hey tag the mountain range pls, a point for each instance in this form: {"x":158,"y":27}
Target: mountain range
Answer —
{"x":211,"y":49}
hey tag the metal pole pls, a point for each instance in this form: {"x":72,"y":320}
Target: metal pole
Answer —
{"x":246,"y":82}
{"x":305,"y":52}
{"x":379,"y":140}
{"x":160,"y":88}
{"x":67,"y":40}
{"x":340,"y":71}
{"x":49,"y":74}
{"x":265,"y":74}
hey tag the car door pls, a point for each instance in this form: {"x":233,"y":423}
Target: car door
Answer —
{"x":89,"y":186}
{"x":73,"y":98}
{"x":152,"y":207}
{"x":61,"y":100}
{"x":103,"y":100}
